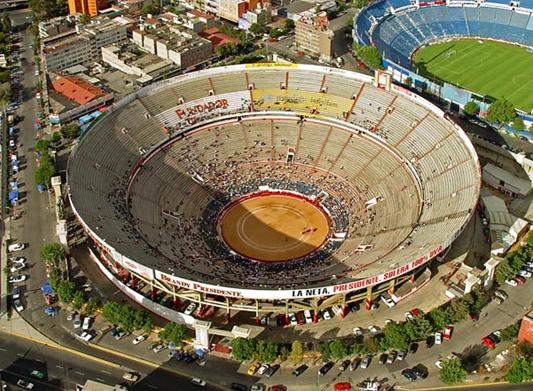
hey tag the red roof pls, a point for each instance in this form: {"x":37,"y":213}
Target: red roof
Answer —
{"x":77,"y":89}
{"x":151,"y":20}
{"x":217,"y":38}
{"x":200,"y":14}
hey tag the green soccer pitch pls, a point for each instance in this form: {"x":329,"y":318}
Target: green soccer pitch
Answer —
{"x":489,"y":68}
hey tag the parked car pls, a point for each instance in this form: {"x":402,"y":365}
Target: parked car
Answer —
{"x":157,"y":348}
{"x":392,"y":357}
{"x":258,"y":387}
{"x":413,"y":347}
{"x":524,"y":273}
{"x":16,"y":267}
{"x":366,"y":361}
{"x":421,"y":371}
{"x":511,"y":282}
{"x":388,"y":301}
{"x":15,"y":292}
{"x":199,"y":382}
{"x":355,"y":364}
{"x":298,"y":371}
{"x":85,"y":336}
{"x":408,"y":315}
{"x":325,"y":368}
{"x":383,"y":358}
{"x":520,"y":280}
{"x":131,"y":377}
{"x":292,"y":319}
{"x":308,"y":316}
{"x":77,"y":321}
{"x":344,"y":365}
{"x":430,"y":341}
{"x":497,"y":299}
{"x":137,"y":340}
{"x":357,"y":331}
{"x":86,"y":323}
{"x":325,"y":314}
{"x":238,"y":387}
{"x":402,"y":354}
{"x":300,"y":318}
{"x":409,"y":374}
{"x":51,"y":311}
{"x":190,"y":309}
{"x":271,"y":370}
{"x":373,"y":329}
{"x":16,"y":247}
{"x":263,"y":368}
{"x":438,"y":364}
{"x":17,"y":278}
{"x":14,"y":259}
{"x":438,"y":338}
{"x":37,"y":374}
{"x":18,"y":305}
{"x":252,"y":369}
{"x":448,"y":332}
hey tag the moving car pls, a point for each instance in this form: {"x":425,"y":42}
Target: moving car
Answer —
{"x":131,"y":377}
{"x":325,"y":368}
{"x":37,"y":374}
{"x":17,"y":278}
{"x":199,"y":382}
{"x":25,"y":384}
{"x":137,"y":340}
{"x":18,"y":305}
{"x":298,"y":371}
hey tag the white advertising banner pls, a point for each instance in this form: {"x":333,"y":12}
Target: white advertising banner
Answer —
{"x":138,"y":268}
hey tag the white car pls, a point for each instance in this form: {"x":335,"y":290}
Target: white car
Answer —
{"x":86,"y":323}
{"x":77,"y":321}
{"x":17,"y":266}
{"x":18,"y":305}
{"x":308,"y":316}
{"x":17,"y":278}
{"x":438,"y":338}
{"x":438,"y":364}
{"x":262,"y":369}
{"x":85,"y":336}
{"x":524,"y":273}
{"x":408,"y":315}
{"x":25,"y":384}
{"x":357,"y":331}
{"x":17,"y":259}
{"x":16,"y":247}
{"x":388,"y":301}
{"x":139,"y":339}
{"x":158,"y":348}
{"x":387,"y":321}
{"x":190,"y":309}
{"x":292,"y":319}
{"x":325,"y":314}
{"x":373,"y":329}
{"x":511,"y":282}
{"x":198,"y":382}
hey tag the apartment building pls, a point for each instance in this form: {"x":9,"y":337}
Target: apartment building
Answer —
{"x":86,"y":7}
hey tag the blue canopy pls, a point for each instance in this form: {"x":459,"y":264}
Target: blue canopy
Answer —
{"x":47,"y":289}
{"x":41,"y":188}
{"x":85,"y":119}
{"x":13,"y":195}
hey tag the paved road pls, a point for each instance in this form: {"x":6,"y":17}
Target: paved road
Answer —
{"x":63,"y":370}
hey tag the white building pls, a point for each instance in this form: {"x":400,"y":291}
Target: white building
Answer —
{"x":505,"y":181}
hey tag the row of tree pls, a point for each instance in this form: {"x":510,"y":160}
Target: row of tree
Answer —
{"x":369,"y":55}
{"x":252,"y":349}
{"x":127,"y":317}
{"x":522,"y":368}
{"x":501,"y":112}
{"x":513,"y":261}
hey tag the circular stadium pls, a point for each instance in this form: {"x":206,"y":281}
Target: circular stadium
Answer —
{"x":481,"y":46}
{"x":253,"y":186}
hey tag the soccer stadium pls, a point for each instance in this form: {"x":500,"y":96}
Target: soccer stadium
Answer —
{"x":483,"y":47}
{"x":270,"y":188}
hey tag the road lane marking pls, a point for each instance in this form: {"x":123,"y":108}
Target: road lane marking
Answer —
{"x":3,"y":349}
{"x":79,"y":373}
{"x":20,"y":355}
{"x":59,"y":366}
{"x":152,"y":386}
{"x":100,"y":380}
{"x":103,"y":370}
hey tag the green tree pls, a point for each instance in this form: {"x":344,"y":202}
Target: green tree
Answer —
{"x":452,"y":371}
{"x":85,"y":19}
{"x":46,"y":170}
{"x":510,"y":332}
{"x":70,"y":130}
{"x":42,"y":146}
{"x":503,"y":272}
{"x":149,"y":9}
{"x":518,"y":123}
{"x":93,"y":304}
{"x":471,"y":108}
{"x":289,"y":24}
{"x":438,"y":318}
{"x":5,"y":93}
{"x":243,"y":349}
{"x":456,"y":311}
{"x":338,"y":349}
{"x":173,"y":332}
{"x":110,"y":312}
{"x":324,"y":351}
{"x":256,"y":29}
{"x":501,"y":112}
{"x":66,"y":291}
{"x":226,"y":49}
{"x":53,"y":253}
{"x":395,"y":336}
{"x":78,"y":300}
{"x":360,"y":3}
{"x":266,"y":351}
{"x":284,"y":353}
{"x":371,"y":345}
{"x":521,"y":371}
{"x":370,"y":56}
{"x":56,"y":136}
{"x":418,"y":328}
{"x":297,"y":352}
{"x":55,"y":277}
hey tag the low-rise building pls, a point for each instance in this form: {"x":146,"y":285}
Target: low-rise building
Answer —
{"x":83,"y":48}
{"x":55,"y":26}
{"x":76,"y":89}
{"x":506,"y":181}
{"x":261,"y":15}
{"x":184,"y":48}
{"x":132,"y":61}
{"x":316,"y":36}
